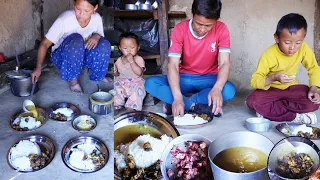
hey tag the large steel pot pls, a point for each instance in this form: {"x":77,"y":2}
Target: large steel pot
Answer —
{"x":20,"y":83}
{"x":101,"y":103}
{"x":239,"y":139}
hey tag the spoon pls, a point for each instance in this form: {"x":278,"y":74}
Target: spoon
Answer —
{"x":32,"y":90}
{"x":292,"y":147}
{"x":17,"y":59}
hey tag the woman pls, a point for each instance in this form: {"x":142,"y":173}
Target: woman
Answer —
{"x":78,"y":41}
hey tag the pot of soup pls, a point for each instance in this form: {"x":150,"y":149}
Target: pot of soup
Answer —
{"x":101,"y":103}
{"x":240,"y":156}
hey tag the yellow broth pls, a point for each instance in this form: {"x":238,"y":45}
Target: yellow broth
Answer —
{"x":241,"y":159}
{"x":129,"y":133}
{"x":32,"y":109}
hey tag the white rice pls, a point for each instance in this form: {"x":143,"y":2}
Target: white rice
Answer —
{"x":77,"y":155}
{"x":65,"y":111}
{"x":188,"y":119}
{"x":142,"y":158}
{"x":19,"y":154}
{"x":27,"y":122}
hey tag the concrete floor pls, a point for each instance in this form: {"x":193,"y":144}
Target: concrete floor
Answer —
{"x":54,"y":90}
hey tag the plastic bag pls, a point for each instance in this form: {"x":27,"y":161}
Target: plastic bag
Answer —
{"x":145,"y":29}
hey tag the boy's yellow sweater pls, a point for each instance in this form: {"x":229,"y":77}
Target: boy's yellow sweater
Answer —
{"x":273,"y":61}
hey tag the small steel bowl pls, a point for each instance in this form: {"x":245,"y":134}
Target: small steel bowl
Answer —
{"x":146,"y":7}
{"x":76,"y":110}
{"x":72,"y":143}
{"x":179,"y":141}
{"x":83,"y":118}
{"x":257,"y":124}
{"x":46,"y":145}
{"x":131,"y":7}
{"x":301,"y":145}
{"x":42,"y":113}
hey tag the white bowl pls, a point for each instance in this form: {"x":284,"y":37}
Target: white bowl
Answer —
{"x":26,"y":103}
{"x":257,"y":124}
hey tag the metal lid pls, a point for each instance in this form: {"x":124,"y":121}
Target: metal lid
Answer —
{"x":16,"y":74}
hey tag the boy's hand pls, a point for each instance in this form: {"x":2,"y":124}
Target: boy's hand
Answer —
{"x":313,"y":95}
{"x":283,"y":78}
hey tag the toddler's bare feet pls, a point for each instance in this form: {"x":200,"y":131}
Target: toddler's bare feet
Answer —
{"x":75,"y":87}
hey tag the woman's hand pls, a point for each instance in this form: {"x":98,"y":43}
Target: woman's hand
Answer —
{"x":35,"y":74}
{"x":92,"y":42}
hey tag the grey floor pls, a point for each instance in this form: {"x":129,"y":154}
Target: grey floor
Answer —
{"x":54,"y":90}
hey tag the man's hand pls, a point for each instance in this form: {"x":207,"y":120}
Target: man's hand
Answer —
{"x":313,"y":95}
{"x":92,"y":42}
{"x":178,"y":107}
{"x":283,"y":78}
{"x":35,"y":75}
{"x":215,"y":98}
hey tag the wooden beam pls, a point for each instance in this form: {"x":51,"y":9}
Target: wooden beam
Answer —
{"x":163,"y":33}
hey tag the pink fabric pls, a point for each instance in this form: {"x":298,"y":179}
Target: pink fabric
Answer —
{"x":199,"y":56}
{"x":131,"y":88}
{"x":281,"y":105}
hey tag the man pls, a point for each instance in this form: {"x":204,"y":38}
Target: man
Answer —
{"x":195,"y":47}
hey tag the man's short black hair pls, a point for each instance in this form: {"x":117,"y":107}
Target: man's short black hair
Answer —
{"x":207,"y":8}
{"x":293,"y":22}
{"x":129,"y":35}
{"x":92,"y":2}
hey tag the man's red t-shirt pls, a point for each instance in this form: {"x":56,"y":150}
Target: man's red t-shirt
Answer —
{"x":199,"y":55}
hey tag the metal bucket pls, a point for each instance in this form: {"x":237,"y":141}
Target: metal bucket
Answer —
{"x":101,"y":103}
{"x":239,"y":139}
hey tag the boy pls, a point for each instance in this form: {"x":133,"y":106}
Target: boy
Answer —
{"x":279,"y":97}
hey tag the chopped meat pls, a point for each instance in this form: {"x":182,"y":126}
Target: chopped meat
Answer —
{"x":190,"y":162}
{"x":170,"y":172}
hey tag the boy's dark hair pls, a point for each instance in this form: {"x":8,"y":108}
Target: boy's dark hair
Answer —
{"x":293,"y":22}
{"x":207,"y":8}
{"x":129,"y":35}
{"x":92,"y":2}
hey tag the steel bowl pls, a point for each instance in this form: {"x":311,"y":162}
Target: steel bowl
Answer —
{"x":144,"y":118}
{"x":101,"y":103}
{"x":42,"y":113}
{"x":72,"y":143}
{"x":131,"y":7}
{"x":46,"y":146}
{"x":301,"y":145}
{"x":287,"y":129}
{"x":83,"y":118}
{"x":76,"y":110}
{"x":239,"y":139}
{"x":146,"y":7}
{"x":179,"y":141}
{"x":257,"y":124}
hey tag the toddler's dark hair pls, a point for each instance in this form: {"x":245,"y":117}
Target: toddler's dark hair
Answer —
{"x":129,"y":35}
{"x":92,"y":2}
{"x":207,"y":8}
{"x":293,"y":22}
